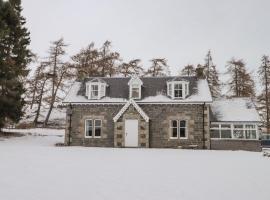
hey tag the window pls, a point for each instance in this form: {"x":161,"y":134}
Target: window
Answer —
{"x":178,"y":129}
{"x":250,"y":131}
{"x":220,"y":131}
{"x":135,"y":91}
{"x":178,"y":90}
{"x":93,"y":128}
{"x":235,"y":131}
{"x":135,"y":85}
{"x":94,"y":91}
{"x":238,"y":131}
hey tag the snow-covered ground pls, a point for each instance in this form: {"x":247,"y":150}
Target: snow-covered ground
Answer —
{"x":32,"y":168}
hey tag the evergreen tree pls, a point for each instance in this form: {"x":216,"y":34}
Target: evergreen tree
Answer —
{"x":264,"y":97}
{"x":188,"y":70}
{"x":131,"y":68}
{"x":14,"y":57}
{"x":159,"y":67}
{"x":241,"y":84}
{"x":212,"y":75}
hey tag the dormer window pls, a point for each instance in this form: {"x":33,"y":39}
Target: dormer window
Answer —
{"x":135,"y":85}
{"x":95,"y":89}
{"x":178,"y":89}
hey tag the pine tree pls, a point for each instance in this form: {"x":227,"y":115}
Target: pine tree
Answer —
{"x":159,"y":67}
{"x":264,"y":97}
{"x":188,"y":70}
{"x":212,"y":75}
{"x":241,"y":84}
{"x":14,"y":57}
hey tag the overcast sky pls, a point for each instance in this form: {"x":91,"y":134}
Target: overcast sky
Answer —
{"x":182,"y":31}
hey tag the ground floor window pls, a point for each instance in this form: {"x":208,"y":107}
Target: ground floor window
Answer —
{"x":235,"y":131}
{"x":93,"y":128}
{"x":178,"y":129}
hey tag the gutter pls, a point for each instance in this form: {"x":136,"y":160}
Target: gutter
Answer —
{"x":203,"y":127}
{"x":69,"y":127}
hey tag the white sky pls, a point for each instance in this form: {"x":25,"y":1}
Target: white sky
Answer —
{"x":181,"y":31}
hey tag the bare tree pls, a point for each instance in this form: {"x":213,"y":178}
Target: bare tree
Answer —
{"x":59,"y":71}
{"x":159,"y":67}
{"x":263,"y":98}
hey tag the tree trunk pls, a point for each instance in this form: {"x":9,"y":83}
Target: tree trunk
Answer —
{"x":39,"y":103}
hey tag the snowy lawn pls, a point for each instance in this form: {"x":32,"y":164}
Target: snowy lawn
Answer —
{"x":31,"y":168}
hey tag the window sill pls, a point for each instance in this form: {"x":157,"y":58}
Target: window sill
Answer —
{"x":92,"y":137}
{"x":176,"y":138}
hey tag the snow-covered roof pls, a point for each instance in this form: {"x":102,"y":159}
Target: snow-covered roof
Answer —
{"x":153,"y":91}
{"x":234,"y":110}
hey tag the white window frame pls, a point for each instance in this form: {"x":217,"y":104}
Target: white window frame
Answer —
{"x":135,"y":82}
{"x":171,"y":89}
{"x":232,"y":130}
{"x":93,"y":128}
{"x":101,"y":90}
{"x":178,"y":129}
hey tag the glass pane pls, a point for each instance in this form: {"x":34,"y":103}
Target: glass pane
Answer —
{"x":174,"y":132}
{"x":94,"y":87}
{"x":88,"y":128}
{"x":226,"y":134}
{"x":182,"y":132}
{"x":182,"y":123}
{"x":177,"y":93}
{"x":214,"y":133}
{"x":135,"y":92}
{"x":174,"y":123}
{"x":97,"y":122}
{"x":238,"y":126}
{"x":238,"y":133}
{"x":97,"y":131}
{"x":250,"y":126}
{"x":225,"y":126}
{"x":214,"y":126}
{"x":178,"y":86}
{"x":251,"y":134}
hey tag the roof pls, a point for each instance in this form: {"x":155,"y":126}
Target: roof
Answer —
{"x":233,"y":110}
{"x":154,"y":89}
{"x":125,"y":107}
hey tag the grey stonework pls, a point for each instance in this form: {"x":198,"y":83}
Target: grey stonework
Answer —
{"x":155,"y":133}
{"x":231,"y":144}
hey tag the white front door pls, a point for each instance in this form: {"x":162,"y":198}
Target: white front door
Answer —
{"x":131,"y":133}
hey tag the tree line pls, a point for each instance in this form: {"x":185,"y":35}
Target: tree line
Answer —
{"x":49,"y":81}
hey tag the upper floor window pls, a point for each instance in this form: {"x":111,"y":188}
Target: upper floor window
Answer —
{"x":135,"y":85}
{"x":178,"y":89}
{"x":95,"y":89}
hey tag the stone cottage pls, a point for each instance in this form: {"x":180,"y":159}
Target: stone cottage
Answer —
{"x":147,"y":112}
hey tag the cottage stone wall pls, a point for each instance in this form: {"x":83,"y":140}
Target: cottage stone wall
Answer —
{"x":155,"y":133}
{"x":159,"y":124}
{"x":231,"y":144}
{"x":82,"y":112}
